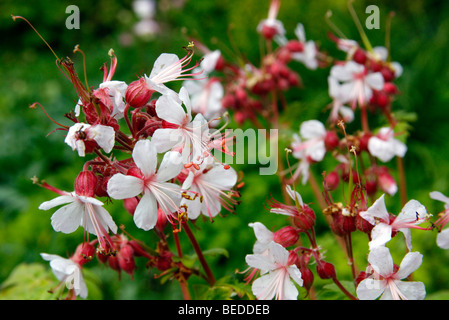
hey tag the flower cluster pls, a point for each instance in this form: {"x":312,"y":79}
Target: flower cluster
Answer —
{"x":148,"y":146}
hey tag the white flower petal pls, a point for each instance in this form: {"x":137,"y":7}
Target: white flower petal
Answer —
{"x":170,"y":166}
{"x":121,"y":186}
{"x":170,"y":110}
{"x":380,"y":235}
{"x":56,"y":202}
{"x":370,"y":289}
{"x":68,"y":218}
{"x":381,"y":261}
{"x":145,"y":215}
{"x":443,"y":239}
{"x":377,"y":210}
{"x":409,"y":264}
{"x":412,"y":290}
{"x":312,"y":129}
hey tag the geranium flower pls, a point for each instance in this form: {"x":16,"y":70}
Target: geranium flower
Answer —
{"x":271,"y":26}
{"x":384,"y":146}
{"x":69,"y":272}
{"x":180,"y":132}
{"x":84,"y":211}
{"x":386,"y":283}
{"x":154,"y":186}
{"x":210,"y":190}
{"x":411,"y":215}
{"x":263,"y":237}
{"x":116,"y":91}
{"x":443,"y":236}
{"x":84,"y":137}
{"x":278,"y":274}
{"x":357,"y":83}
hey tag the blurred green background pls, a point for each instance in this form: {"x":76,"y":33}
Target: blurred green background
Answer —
{"x":419,"y":41}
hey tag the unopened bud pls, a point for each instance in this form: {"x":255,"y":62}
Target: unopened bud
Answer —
{"x":359,"y":56}
{"x":331,"y":181}
{"x":125,"y":259}
{"x":305,"y":219}
{"x":331,"y":140}
{"x":387,"y":184}
{"x":325,"y":270}
{"x":307,"y":277}
{"x":86,"y":183}
{"x":138,"y":93}
{"x":130,"y":204}
{"x":286,"y":236}
{"x":84,"y":253}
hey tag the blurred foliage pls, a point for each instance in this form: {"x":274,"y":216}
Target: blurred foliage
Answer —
{"x":419,"y":41}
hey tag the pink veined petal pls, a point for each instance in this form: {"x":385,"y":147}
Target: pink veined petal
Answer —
{"x":168,"y":196}
{"x":170,"y":166}
{"x":105,"y":219}
{"x":145,"y":157}
{"x":171,"y":111}
{"x":121,"y":186}
{"x":145,"y":215}
{"x":412,"y":213}
{"x":409,"y":264}
{"x":211,"y":205}
{"x":266,"y":287}
{"x":68,"y":218}
{"x":166,"y":139}
{"x":377,"y":210}
{"x":289,"y":291}
{"x":370,"y":289}
{"x":162,"y":64}
{"x":380,"y":235}
{"x":56,"y":202}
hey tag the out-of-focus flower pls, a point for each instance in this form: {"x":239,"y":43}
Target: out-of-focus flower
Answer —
{"x":443,"y":235}
{"x":411,"y":215}
{"x":384,"y":146}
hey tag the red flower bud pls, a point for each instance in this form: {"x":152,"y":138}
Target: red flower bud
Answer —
{"x":84,"y":253}
{"x":325,"y":270}
{"x":331,"y":140}
{"x":138,"y":93}
{"x":125,"y":258}
{"x":305,"y":219}
{"x":130,"y":204}
{"x":86,"y":183}
{"x":307,"y":277}
{"x":359,"y":56}
{"x":286,"y":236}
{"x":295,"y":46}
{"x":331,"y":181}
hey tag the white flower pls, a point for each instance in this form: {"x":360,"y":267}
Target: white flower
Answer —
{"x":82,"y":211}
{"x":384,"y":146}
{"x":278,"y":276}
{"x":154,"y":186}
{"x":339,"y":110}
{"x":271,"y":21}
{"x":412,"y":214}
{"x":357,"y":84}
{"x":69,"y":272}
{"x":263,"y":237}
{"x":209,"y":186}
{"x":312,"y":148}
{"x":80,"y":133}
{"x":116,"y":90}
{"x":309,"y":53}
{"x":443,"y":236}
{"x":387,"y":284}
{"x":206,"y":96}
{"x":190,"y":137}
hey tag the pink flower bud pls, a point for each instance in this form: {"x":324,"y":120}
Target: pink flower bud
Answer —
{"x":86,"y":183}
{"x":295,"y":46}
{"x":307,"y":277}
{"x":359,"y":56}
{"x":286,"y":236}
{"x":130,"y":204}
{"x":138,"y":93}
{"x":386,"y":183}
